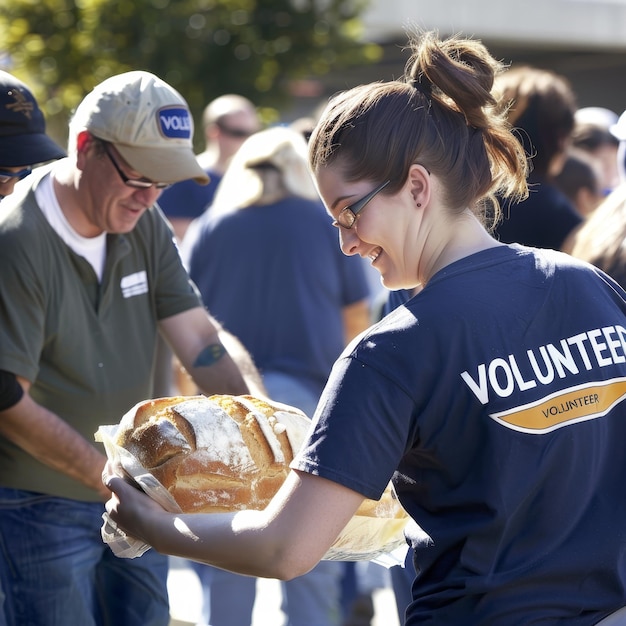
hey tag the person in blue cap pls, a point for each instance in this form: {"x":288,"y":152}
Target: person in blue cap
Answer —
{"x":23,"y":139}
{"x":23,"y":143}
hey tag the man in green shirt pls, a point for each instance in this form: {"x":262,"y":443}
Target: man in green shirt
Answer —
{"x":90,"y":275}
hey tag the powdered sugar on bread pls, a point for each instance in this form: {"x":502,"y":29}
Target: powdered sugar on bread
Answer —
{"x":220,"y":453}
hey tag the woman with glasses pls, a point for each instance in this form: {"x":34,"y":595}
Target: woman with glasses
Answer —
{"x":492,"y":398}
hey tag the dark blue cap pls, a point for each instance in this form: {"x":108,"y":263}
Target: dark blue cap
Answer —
{"x":23,"y":139}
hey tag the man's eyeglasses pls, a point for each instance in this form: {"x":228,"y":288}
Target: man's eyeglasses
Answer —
{"x":7,"y":175}
{"x":347,"y":215}
{"x":136,"y":183}
{"x":239,"y":133}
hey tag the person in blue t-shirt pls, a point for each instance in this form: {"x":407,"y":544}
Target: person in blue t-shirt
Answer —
{"x":540,"y":104}
{"x":493,"y":399}
{"x":266,"y":262}
{"x":226,"y":122}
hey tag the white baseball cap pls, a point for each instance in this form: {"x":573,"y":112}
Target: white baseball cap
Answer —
{"x":596,"y":116}
{"x":149,"y":123}
{"x":619,"y":129}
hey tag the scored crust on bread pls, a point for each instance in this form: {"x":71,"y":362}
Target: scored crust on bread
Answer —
{"x":216,"y":453}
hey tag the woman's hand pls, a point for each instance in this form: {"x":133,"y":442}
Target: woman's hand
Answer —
{"x":285,"y":540}
{"x":129,"y":507}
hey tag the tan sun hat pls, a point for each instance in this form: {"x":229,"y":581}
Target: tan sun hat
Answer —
{"x":149,"y":123}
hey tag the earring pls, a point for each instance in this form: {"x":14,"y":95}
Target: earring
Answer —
{"x":419,"y":205}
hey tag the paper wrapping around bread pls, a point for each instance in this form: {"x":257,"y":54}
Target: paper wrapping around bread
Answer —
{"x":226,"y":453}
{"x":374,"y":533}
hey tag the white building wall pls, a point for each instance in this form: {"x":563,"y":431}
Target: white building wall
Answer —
{"x":598,"y":24}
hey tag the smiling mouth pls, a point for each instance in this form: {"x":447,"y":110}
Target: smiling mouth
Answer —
{"x":134,"y":209}
{"x":372,"y":256}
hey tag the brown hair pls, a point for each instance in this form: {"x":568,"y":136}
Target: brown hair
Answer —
{"x":441,"y":115}
{"x":542,"y":105}
{"x":579,"y":172}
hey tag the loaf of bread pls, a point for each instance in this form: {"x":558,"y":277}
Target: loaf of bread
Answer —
{"x":217,"y":453}
{"x":227,"y":453}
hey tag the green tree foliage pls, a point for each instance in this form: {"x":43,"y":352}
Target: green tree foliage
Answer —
{"x":203,"y":48}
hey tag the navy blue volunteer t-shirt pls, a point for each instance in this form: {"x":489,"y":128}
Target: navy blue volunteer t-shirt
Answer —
{"x":494,"y":398}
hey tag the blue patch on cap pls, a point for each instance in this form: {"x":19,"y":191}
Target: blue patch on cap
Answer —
{"x":175,"y":123}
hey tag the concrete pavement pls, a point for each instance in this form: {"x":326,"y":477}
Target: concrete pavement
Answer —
{"x":185,"y":600}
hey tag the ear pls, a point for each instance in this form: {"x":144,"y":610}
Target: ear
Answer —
{"x":420,"y":184}
{"x":586,"y":201}
{"x":83,"y":143}
{"x":212,"y":131}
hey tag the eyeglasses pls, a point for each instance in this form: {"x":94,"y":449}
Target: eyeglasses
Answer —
{"x":7,"y":175}
{"x":136,"y":183}
{"x":347,"y":215}
{"x":239,"y":133}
